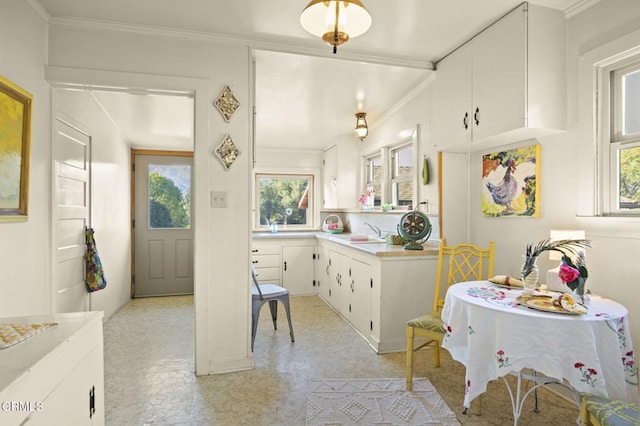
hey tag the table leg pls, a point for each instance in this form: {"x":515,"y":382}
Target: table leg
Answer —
{"x":517,"y":402}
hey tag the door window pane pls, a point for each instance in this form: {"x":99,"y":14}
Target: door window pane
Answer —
{"x":169,"y":196}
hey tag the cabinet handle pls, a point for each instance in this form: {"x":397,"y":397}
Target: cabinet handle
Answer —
{"x":476,"y":116}
{"x":285,"y":266}
{"x":327,"y":270}
{"x":92,"y":401}
{"x":254,"y":261}
{"x":254,"y":251}
{"x":465,"y":120}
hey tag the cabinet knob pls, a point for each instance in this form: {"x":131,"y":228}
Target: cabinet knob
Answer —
{"x":476,"y":116}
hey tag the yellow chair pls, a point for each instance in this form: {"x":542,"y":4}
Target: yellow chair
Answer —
{"x":466,"y":262}
{"x":598,"y":411}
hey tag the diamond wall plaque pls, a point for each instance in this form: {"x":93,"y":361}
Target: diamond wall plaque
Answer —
{"x":227,"y":152}
{"x":227,"y":103}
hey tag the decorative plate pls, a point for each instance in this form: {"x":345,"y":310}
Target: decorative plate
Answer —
{"x":227,"y":152}
{"x":546,"y":304}
{"x":226,"y":103}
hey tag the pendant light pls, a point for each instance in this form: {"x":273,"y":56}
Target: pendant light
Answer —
{"x":361,"y":126}
{"x":335,"y":21}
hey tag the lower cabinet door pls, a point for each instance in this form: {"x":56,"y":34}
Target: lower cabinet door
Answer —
{"x":78,"y":399}
{"x":297,"y":269}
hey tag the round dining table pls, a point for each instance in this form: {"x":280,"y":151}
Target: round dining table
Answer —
{"x":493,"y":333}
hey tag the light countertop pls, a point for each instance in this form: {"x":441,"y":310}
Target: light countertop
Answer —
{"x":372,"y":247}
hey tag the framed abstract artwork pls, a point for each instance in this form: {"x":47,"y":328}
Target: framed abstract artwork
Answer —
{"x":15,"y":135}
{"x":511,"y":182}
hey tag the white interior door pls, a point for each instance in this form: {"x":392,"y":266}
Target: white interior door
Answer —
{"x":162,"y":226}
{"x":71,"y":201}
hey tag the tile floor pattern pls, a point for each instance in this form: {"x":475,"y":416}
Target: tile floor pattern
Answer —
{"x":149,"y":377}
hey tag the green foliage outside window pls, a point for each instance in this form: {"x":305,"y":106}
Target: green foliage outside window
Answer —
{"x":282,"y":200}
{"x":168,"y":207}
{"x":630,"y":178}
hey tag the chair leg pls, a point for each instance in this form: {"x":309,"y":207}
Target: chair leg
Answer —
{"x":273,"y":307}
{"x":254,"y":322}
{"x":409,"y":363}
{"x":287,"y":310}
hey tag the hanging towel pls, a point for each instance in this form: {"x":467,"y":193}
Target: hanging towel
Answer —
{"x":94,"y":274}
{"x":425,"y":171}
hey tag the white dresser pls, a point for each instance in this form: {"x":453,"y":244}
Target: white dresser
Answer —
{"x":56,"y":376}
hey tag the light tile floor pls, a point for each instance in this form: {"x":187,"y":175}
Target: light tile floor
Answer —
{"x":149,"y":377}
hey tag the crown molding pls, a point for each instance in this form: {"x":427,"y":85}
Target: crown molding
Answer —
{"x":579,"y":7}
{"x":276,"y":44}
{"x":405,"y":99}
{"x":38,"y":9}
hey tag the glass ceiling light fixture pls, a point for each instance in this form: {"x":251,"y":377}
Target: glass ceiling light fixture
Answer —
{"x":362,"y":130}
{"x":335,"y":21}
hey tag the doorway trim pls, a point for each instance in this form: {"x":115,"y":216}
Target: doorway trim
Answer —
{"x":77,"y":78}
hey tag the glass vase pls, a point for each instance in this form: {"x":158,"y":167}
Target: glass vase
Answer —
{"x":530,"y":281}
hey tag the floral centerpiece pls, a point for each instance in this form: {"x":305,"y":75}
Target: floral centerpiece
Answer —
{"x":574,"y":274}
{"x":563,"y":246}
{"x":367,"y":200}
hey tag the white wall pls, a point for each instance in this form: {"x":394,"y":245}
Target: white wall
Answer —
{"x":221,"y":268}
{"x":24,"y":247}
{"x":110,"y":195}
{"x":612,"y":261}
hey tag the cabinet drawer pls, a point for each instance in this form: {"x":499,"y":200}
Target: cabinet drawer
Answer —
{"x":258,"y":250}
{"x":268,"y":274}
{"x":266,"y":261}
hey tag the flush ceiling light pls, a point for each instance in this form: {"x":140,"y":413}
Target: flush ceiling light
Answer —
{"x":335,"y":21}
{"x":361,"y":125}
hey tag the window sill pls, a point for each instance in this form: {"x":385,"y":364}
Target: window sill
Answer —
{"x":611,"y":226}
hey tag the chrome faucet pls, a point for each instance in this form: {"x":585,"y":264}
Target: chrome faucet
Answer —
{"x":374,"y":229}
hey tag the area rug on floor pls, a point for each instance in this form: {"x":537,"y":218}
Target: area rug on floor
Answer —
{"x":376,"y":402}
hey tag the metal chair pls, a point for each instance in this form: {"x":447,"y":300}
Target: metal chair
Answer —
{"x":465,"y":263}
{"x":272,"y":293}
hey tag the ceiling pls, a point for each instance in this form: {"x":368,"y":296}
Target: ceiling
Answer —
{"x":300,"y":85}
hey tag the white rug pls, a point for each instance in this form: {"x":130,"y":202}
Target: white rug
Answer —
{"x":376,"y":402}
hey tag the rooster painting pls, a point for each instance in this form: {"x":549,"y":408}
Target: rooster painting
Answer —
{"x":509,"y":182}
{"x":507,"y":190}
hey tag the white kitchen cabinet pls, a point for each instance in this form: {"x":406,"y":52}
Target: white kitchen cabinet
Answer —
{"x":339,"y":272}
{"x":377,"y":295}
{"x":298,"y":269}
{"x":288,"y":262}
{"x":505,"y":85}
{"x":266,"y":258}
{"x":330,"y":178}
{"x":323,"y":273}
{"x":60,"y":370}
{"x":360,"y":296}
{"x":340,"y":176}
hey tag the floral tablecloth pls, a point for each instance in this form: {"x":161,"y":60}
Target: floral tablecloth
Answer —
{"x":493,"y":335}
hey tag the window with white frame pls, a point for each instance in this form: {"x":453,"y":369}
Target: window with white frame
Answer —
{"x":402,"y":175}
{"x":624,"y":143}
{"x":373,"y":176}
{"x":284,"y":199}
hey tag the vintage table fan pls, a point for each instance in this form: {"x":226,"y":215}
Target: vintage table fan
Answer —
{"x":415,"y":227}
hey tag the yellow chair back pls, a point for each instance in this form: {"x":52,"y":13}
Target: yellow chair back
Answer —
{"x":466,"y":262}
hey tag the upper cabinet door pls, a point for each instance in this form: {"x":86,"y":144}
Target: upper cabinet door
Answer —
{"x":500,"y":77}
{"x":451,"y":108}
{"x":330,"y":178}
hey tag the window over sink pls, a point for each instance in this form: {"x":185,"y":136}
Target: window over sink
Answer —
{"x":284,"y":200}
